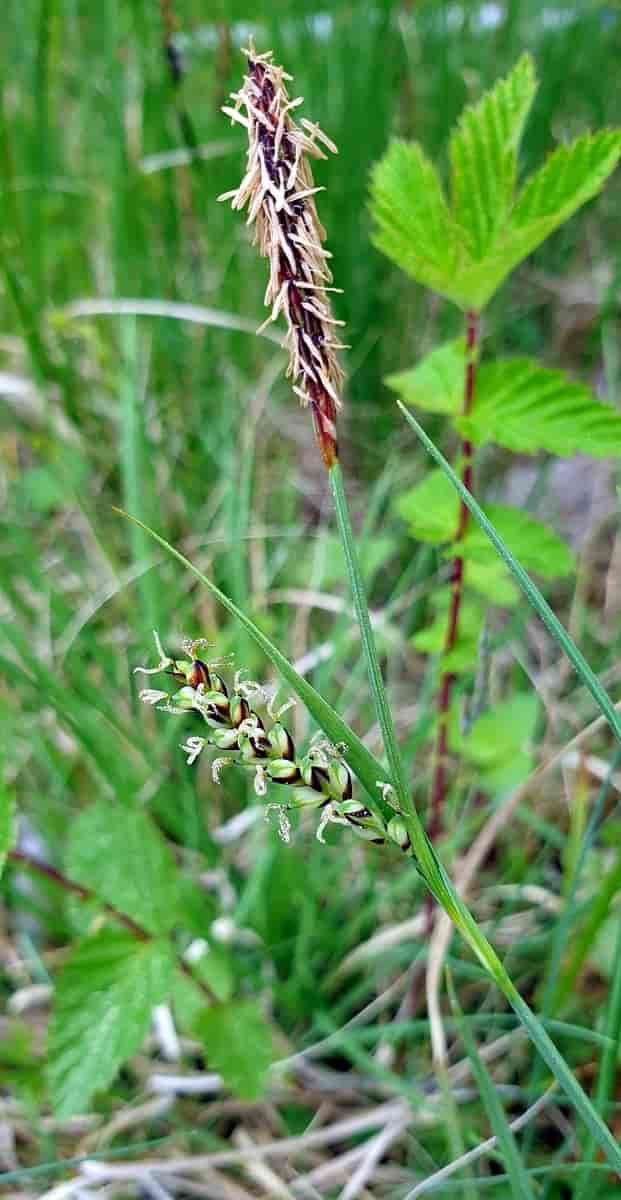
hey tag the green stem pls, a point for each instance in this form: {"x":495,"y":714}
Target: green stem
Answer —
{"x":382,"y":708}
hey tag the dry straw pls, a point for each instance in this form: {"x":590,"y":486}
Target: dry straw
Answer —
{"x":279,"y":190}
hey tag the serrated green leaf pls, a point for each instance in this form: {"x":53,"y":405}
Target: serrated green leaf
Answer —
{"x":493,"y":581}
{"x":215,"y":969}
{"x":527,"y":408}
{"x":571,"y":176}
{"x":238,"y":1045}
{"x":431,"y":509}
{"x":414,"y":227}
{"x":437,"y":382}
{"x":500,"y":732}
{"x":538,"y":546}
{"x":483,"y":152}
{"x":122,"y":856}
{"x":103,"y":1002}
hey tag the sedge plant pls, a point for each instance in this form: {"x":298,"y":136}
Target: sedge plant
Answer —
{"x":463,"y":252}
{"x":461,"y":255}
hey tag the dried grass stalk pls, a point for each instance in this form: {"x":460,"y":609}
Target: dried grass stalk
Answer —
{"x":279,"y":190}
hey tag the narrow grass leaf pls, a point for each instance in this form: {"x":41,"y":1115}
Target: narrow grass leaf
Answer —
{"x":6,"y":824}
{"x":608,"y":1066}
{"x":521,"y":1187}
{"x":380,"y":699}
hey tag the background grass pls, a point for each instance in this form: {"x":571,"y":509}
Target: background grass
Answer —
{"x":192,"y":428}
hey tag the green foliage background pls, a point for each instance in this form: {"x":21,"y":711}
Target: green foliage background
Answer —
{"x":192,"y":428}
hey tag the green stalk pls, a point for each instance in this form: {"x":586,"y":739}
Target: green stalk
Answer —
{"x":532,"y":593}
{"x":380,"y":699}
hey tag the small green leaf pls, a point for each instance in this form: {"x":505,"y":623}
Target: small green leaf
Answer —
{"x":431,"y":509}
{"x":215,"y":969}
{"x":483,"y":153}
{"x":571,"y":176}
{"x":6,"y":824}
{"x":534,"y":543}
{"x":500,"y":732}
{"x":238,"y":1044}
{"x":437,"y":382}
{"x":493,"y":581}
{"x":103,"y":1002}
{"x":527,"y":408}
{"x":121,"y":855}
{"x":414,"y":227}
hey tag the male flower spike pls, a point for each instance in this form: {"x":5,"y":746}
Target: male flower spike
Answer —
{"x":278,"y":188}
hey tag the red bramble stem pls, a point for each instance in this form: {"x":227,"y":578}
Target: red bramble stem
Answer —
{"x":439,"y":779}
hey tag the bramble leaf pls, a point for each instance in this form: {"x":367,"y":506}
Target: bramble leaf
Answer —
{"x":415,"y":229}
{"x":436,"y":383}
{"x":121,"y":855}
{"x":103,"y":1002}
{"x":498,"y":742}
{"x":483,"y":152}
{"x":572,"y":175}
{"x":527,"y":408}
{"x":466,"y":249}
{"x":238,"y":1044}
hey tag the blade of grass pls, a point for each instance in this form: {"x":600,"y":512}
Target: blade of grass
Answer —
{"x":607,"y":1067}
{"x":366,"y":768}
{"x":532,"y":593}
{"x":133,"y":457}
{"x":553,"y":978}
{"x":520,"y":1183}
